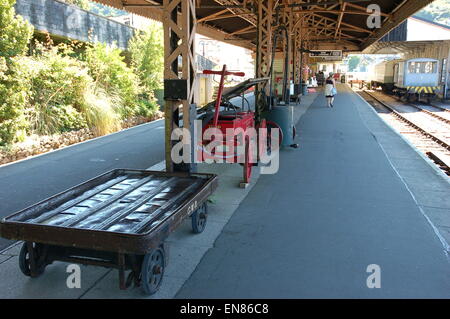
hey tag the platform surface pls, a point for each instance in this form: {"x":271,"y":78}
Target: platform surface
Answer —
{"x":354,"y":194}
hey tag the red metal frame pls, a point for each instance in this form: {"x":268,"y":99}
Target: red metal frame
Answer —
{"x":240,"y":120}
{"x":222,"y":74}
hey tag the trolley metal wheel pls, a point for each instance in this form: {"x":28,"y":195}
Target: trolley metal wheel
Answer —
{"x":199,"y":219}
{"x":152,"y":271}
{"x":248,"y":162}
{"x":28,"y":260}
{"x":272,"y":125}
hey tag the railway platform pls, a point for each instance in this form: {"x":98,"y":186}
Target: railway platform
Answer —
{"x":355,"y":194}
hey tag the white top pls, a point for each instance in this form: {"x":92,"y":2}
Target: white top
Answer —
{"x":329,"y":89}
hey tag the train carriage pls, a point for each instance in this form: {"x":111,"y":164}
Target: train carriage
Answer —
{"x":410,"y":79}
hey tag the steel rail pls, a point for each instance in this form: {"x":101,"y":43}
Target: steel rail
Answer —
{"x":437,"y":157}
{"x":440,"y":107}
{"x":414,"y":125}
{"x":436,"y":116}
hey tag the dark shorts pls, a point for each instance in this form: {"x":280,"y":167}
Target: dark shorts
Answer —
{"x":329,"y":95}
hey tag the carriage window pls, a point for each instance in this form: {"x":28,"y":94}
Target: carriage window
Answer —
{"x":422,"y":67}
{"x":412,"y":67}
{"x":430,"y":67}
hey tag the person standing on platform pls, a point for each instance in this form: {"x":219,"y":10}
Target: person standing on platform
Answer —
{"x":330,"y":90}
{"x":320,"y":78}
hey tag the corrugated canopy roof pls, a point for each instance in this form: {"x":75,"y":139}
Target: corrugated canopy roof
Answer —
{"x":329,"y":24}
{"x":398,"y":47}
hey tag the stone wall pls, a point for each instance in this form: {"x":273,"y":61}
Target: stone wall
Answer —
{"x":68,"y":21}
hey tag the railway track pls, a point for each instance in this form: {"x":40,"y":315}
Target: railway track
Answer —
{"x":434,"y":145}
{"x":440,"y":127}
{"x":420,"y":107}
{"x":440,"y":108}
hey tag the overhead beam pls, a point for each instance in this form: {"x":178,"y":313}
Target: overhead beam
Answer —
{"x":212,"y":15}
{"x":341,"y":15}
{"x":244,"y":30}
{"x":338,"y":12}
{"x":226,"y":16}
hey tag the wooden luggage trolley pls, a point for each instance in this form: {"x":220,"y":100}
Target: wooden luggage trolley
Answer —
{"x":117,"y":220}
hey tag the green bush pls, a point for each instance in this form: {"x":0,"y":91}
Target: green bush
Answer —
{"x":13,"y":97}
{"x":147,"y":53}
{"x":15,"y":32}
{"x":109,"y":71}
{"x":99,"y":110}
{"x":57,"y":89}
{"x":60,"y":95}
{"x":147,"y":107}
{"x":56,"y":84}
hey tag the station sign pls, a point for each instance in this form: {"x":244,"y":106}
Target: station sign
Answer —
{"x":326,"y":54}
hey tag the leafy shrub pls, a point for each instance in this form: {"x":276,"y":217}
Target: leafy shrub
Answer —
{"x":110,"y":72}
{"x":147,"y":52}
{"x":60,"y":95}
{"x":55,"y":89}
{"x":56,"y":85}
{"x":15,"y":32}
{"x":13,"y":97}
{"x":69,"y":119}
{"x":99,"y":111}
{"x":147,"y":107}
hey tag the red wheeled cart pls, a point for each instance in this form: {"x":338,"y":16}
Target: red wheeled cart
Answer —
{"x":238,"y":131}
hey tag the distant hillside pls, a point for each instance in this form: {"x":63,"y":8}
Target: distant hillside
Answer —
{"x":438,"y":11}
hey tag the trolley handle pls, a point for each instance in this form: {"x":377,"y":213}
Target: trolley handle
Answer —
{"x":222,"y":73}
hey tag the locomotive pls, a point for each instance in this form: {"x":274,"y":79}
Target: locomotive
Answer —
{"x":410,"y":79}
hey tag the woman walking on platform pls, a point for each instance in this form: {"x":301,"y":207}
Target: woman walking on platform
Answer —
{"x":330,"y":90}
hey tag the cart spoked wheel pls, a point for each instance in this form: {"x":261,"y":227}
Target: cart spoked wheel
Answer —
{"x":272,"y":125}
{"x":199,"y":218}
{"x":25,"y":260}
{"x":153,"y":271}
{"x":248,"y":162}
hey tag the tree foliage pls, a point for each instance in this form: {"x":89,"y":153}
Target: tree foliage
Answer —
{"x":147,"y":51}
{"x":13,"y":96}
{"x":15,"y":32}
{"x":107,"y":67}
{"x":55,"y":88}
{"x":83,"y":4}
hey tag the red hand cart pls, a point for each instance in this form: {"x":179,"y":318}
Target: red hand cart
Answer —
{"x":232,"y":149}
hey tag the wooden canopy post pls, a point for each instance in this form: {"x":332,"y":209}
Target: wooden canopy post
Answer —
{"x":288,"y":21}
{"x":179,"y":23}
{"x":296,"y":54}
{"x":264,"y":12}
